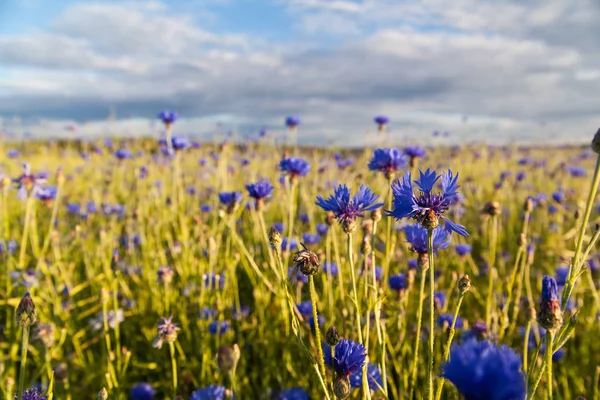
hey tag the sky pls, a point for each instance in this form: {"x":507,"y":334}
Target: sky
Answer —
{"x":482,"y":70}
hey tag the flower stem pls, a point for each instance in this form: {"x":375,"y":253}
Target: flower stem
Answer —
{"x":449,"y":343}
{"x":548,"y":357}
{"x":354,"y":292}
{"x":313,"y":300}
{"x":173,"y":367}
{"x":413,"y":379}
{"x":24,"y":347}
{"x":431,"y":310}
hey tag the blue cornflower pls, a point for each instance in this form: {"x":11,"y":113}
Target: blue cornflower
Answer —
{"x":33,"y":394}
{"x":311,"y":322}
{"x":415,"y":151}
{"x":293,"y":244}
{"x":305,"y":308}
{"x":463,"y":249}
{"x":12,"y":153}
{"x":168,"y":117}
{"x":242,"y":313}
{"x":413,"y":263}
{"x":207,"y":313}
{"x":310,"y":239}
{"x":73,"y":208}
{"x":214,"y":281}
{"x":561,"y":276}
{"x":445,"y":321}
{"x":416,"y":235}
{"x":180,"y":143}
{"x":549,"y":290}
{"x":484,"y":371}
{"x":388,"y":161}
{"x":439,"y":298}
{"x":381,"y":121}
{"x":576,"y":171}
{"x":373,"y":377}
{"x":330,"y":268}
{"x":427,"y":208}
{"x":212,"y":392}
{"x":206,"y":208}
{"x":292,"y":121}
{"x":229,"y":198}
{"x":345,"y":209}
{"x":294,"y":167}
{"x":558,"y":196}
{"x":142,"y":391}
{"x":260,"y":190}
{"x":397,"y":282}
{"x":304,"y":218}
{"x":219,"y":327}
{"x":349,"y":357}
{"x":322,"y":229}
{"x":295,"y":393}
{"x":122,"y":154}
{"x":45,"y":193}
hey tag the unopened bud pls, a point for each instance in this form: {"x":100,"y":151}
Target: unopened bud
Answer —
{"x":332,"y":336}
{"x":26,"y":313}
{"x":596,"y":142}
{"x":464,"y":284}
{"x":228,"y":357}
{"x":274,"y":237}
{"x":367,"y":227}
{"x":365,"y":247}
{"x":528,"y":206}
{"x":349,"y":226}
{"x":341,"y":387}
{"x":423,"y":262}
{"x":376,"y":215}
{"x":491,"y":208}
{"x":329,"y":218}
{"x":103,"y":394}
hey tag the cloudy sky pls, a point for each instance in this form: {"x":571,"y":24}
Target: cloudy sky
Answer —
{"x":519,"y":70}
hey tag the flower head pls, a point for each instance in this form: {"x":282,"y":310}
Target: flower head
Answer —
{"x":212,"y":392}
{"x":122,"y":154}
{"x":349,"y":357}
{"x":388,"y":161}
{"x":45,"y":193}
{"x":330,"y":268}
{"x":415,"y":151}
{"x":142,"y":391}
{"x":292,"y":121}
{"x":484,"y":371}
{"x":228,"y":198}
{"x":219,"y":327}
{"x":294,"y":167}
{"x":397,"y":282}
{"x":347,"y":209}
{"x":260,"y":190}
{"x":462,"y":249}
{"x":381,"y":120}
{"x":32,"y":394}
{"x":549,"y":315}
{"x":295,"y":393}
{"x":416,"y":235}
{"x":168,"y":117}
{"x":426,"y":208}
{"x":165,"y":332}
{"x":373,"y":377}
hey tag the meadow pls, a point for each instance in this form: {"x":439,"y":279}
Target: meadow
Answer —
{"x":151,"y":269}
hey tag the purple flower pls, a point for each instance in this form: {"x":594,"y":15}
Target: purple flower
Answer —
{"x":415,"y":151}
{"x":228,"y":198}
{"x":45,"y":193}
{"x":330,"y":268}
{"x":373,"y":378}
{"x":294,"y":167}
{"x":260,"y":190}
{"x":549,"y":290}
{"x":445,"y":321}
{"x":484,"y":371}
{"x":219,"y":327}
{"x":305,"y":308}
{"x":279,"y":226}
{"x":397,"y":282}
{"x":439,"y":298}
{"x":310,"y":239}
{"x":168,"y":117}
{"x":12,"y":153}
{"x":292,"y":243}
{"x":180,"y":143}
{"x":322,"y":229}
{"x":122,"y":154}
{"x":346,"y":209}
{"x":349,"y":357}
{"x":142,"y":391}
{"x":381,"y":120}
{"x":212,"y":392}
{"x":292,"y":121}
{"x":206,"y":208}
{"x":561,"y":276}
{"x":427,"y":207}
{"x":388,"y":161}
{"x":295,"y":393}
{"x":416,"y":235}
{"x":462,"y":249}
{"x":32,"y":394}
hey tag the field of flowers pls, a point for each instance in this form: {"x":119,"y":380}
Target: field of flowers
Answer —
{"x":163,"y":269}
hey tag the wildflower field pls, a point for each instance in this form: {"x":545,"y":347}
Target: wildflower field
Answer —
{"x":162,"y":269}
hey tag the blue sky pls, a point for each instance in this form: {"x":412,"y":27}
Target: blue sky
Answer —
{"x":336,"y":63}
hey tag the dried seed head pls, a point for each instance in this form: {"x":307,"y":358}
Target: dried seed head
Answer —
{"x":492,"y":208}
{"x":349,"y":226}
{"x":376,"y":215}
{"x":228,"y":358}
{"x":103,"y":394}
{"x":307,"y":262}
{"x":274,"y":237}
{"x":341,"y":387}
{"x":365,"y":246}
{"x":464,"y":284}
{"x":423,"y":262}
{"x":367,"y":227}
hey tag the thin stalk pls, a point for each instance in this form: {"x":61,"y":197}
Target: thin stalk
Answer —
{"x":413,"y":379}
{"x":313,"y":300}
{"x":173,"y":366}
{"x":449,"y":343}
{"x":354,"y":292}
{"x":24,"y":347}
{"x":548,"y":357}
{"x":28,"y":210}
{"x":431,"y":311}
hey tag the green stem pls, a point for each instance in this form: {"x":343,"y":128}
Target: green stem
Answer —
{"x":313,"y":300}
{"x":431,"y":311}
{"x":413,"y":379}
{"x":354,"y":292}
{"x":548,"y":357}
{"x":449,"y":343}
{"x":173,"y":366}
{"x":24,"y":347}
{"x":26,"y":223}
